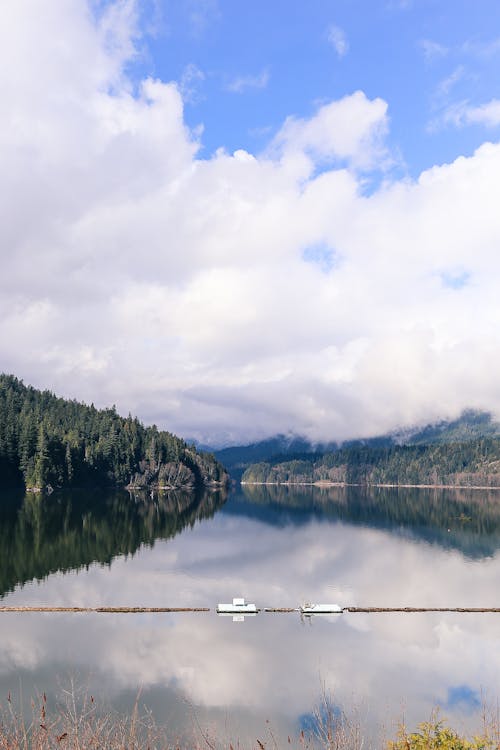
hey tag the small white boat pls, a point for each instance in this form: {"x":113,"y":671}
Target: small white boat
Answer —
{"x":320,"y":609}
{"x":238,"y":607}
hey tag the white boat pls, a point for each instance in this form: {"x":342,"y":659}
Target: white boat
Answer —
{"x":320,"y":609}
{"x":238,"y":607}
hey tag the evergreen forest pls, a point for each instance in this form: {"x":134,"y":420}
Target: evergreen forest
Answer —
{"x":50,"y":442}
{"x":472,"y":463}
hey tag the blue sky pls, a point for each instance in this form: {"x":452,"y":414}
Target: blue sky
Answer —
{"x":250,"y":65}
{"x":242,"y":219}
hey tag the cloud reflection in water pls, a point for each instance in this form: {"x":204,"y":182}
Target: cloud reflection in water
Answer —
{"x":272,"y":666}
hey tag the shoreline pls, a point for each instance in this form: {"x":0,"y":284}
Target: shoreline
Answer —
{"x":325,"y":483}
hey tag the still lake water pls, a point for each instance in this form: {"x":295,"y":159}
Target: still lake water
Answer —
{"x":276,"y":546}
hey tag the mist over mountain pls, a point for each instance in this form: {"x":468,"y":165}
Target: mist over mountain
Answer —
{"x":470,"y":425}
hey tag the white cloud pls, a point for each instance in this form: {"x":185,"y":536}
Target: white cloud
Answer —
{"x":460,"y":114}
{"x":136,"y":273}
{"x":242,"y":83}
{"x":485,"y":114}
{"x":352,"y":128}
{"x":338,"y":39}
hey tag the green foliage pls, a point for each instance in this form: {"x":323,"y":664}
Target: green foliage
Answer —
{"x":45,"y":440}
{"x":472,"y":463}
{"x":471,"y":424}
{"x":435,"y":735}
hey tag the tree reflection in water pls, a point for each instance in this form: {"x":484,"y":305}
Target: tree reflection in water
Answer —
{"x":464,"y":519}
{"x":42,"y":534}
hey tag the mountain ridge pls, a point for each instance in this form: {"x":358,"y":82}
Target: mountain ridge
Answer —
{"x":470,"y":425}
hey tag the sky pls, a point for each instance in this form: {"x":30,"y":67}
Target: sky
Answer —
{"x":241,"y":219}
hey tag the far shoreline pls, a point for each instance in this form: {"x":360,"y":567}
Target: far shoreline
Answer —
{"x":324,"y":483}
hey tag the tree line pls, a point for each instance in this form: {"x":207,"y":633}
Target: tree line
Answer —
{"x":50,"y":441}
{"x":469,"y":463}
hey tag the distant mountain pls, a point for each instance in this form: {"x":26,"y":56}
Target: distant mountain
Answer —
{"x":473,"y":463}
{"x":471,"y":425}
{"x":237,"y":458}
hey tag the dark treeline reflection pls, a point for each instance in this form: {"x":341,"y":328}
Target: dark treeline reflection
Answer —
{"x":42,"y":534}
{"x":463,"y":519}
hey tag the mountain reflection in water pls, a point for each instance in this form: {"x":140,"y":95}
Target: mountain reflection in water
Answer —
{"x":276,"y":546}
{"x":42,"y":534}
{"x":465,"y":519}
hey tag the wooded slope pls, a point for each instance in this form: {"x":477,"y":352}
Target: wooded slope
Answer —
{"x":46,"y":440}
{"x":470,"y":463}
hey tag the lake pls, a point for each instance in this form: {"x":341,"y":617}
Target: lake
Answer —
{"x":277,"y":547}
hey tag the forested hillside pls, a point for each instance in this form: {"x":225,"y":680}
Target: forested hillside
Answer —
{"x":470,"y":425}
{"x":471,"y":463}
{"x":50,"y":441}
{"x":239,"y":457}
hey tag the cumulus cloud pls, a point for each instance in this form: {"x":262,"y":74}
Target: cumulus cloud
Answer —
{"x":352,"y":128}
{"x":135,"y":272}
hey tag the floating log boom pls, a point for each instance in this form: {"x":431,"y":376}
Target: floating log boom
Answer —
{"x":252,"y":609}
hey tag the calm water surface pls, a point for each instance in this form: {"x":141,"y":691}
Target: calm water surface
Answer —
{"x":276,"y":546}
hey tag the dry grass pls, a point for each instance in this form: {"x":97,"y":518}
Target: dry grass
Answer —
{"x":77,"y":722}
